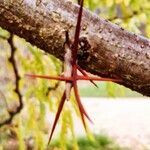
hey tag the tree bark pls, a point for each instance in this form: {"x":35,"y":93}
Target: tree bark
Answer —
{"x":107,"y":50}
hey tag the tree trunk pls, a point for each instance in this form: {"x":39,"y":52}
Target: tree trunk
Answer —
{"x":107,"y":50}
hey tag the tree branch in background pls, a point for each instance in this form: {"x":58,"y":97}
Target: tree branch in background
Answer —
{"x":17,"y":79}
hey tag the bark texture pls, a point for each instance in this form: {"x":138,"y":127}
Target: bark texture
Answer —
{"x":106,"y":49}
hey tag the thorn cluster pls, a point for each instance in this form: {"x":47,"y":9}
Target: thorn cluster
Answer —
{"x":73,"y":77}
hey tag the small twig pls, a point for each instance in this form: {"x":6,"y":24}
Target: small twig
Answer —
{"x":52,"y":88}
{"x":13,"y":62}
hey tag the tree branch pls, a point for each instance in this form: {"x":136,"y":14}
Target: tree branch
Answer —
{"x":17,"y":79}
{"x":107,"y":50}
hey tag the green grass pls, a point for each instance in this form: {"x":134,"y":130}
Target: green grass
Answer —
{"x":106,"y":90}
{"x":101,"y":142}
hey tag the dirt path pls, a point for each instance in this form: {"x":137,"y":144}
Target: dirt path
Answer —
{"x":127,"y":120}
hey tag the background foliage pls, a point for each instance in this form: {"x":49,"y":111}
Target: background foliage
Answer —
{"x":30,"y":129}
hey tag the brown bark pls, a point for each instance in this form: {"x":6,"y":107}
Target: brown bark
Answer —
{"x":108,"y":50}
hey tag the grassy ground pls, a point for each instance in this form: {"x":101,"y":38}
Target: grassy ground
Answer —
{"x":105,"y":89}
{"x":101,"y":142}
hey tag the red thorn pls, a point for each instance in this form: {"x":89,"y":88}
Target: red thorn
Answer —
{"x":61,"y":78}
{"x":81,"y":108}
{"x":85,"y":74}
{"x":98,"y":79}
{"x":77,"y":32}
{"x":60,"y":107}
